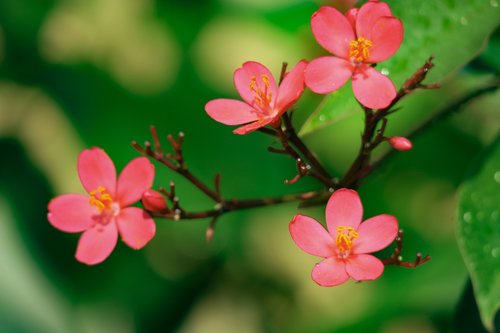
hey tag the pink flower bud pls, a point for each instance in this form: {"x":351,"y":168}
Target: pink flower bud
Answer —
{"x":400,"y":143}
{"x":154,"y":201}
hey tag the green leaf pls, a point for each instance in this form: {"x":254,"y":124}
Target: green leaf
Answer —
{"x":454,"y":31}
{"x":479,"y":233}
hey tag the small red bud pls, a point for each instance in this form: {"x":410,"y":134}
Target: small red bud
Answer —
{"x":154,"y":202}
{"x":400,"y":143}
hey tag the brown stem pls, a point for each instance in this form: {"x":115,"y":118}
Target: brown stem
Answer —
{"x":397,"y":260}
{"x":371,"y":138}
{"x":303,"y":168}
{"x":175,"y":162}
{"x":292,"y":137}
{"x":237,"y":204}
{"x":440,"y":115}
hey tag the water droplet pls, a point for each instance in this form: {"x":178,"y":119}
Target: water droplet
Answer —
{"x":497,"y":176}
{"x":322,"y":118}
{"x":384,"y":71}
{"x":495,"y":252}
{"x":494,"y":215}
{"x":494,"y":3}
{"x":464,"y":21}
{"x":468,"y":217}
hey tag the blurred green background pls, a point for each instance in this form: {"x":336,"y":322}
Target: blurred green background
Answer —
{"x":81,"y":73}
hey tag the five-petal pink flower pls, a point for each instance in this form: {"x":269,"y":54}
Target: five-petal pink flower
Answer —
{"x":104,"y":212}
{"x":358,"y":39}
{"x":264,"y":102}
{"x":347,"y":243}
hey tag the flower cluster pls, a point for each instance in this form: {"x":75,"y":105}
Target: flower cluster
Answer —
{"x":358,"y":40}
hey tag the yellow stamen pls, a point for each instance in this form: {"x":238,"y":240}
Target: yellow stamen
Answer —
{"x":344,"y":240}
{"x":360,"y":49}
{"x":100,"y":198}
{"x":262,"y":97}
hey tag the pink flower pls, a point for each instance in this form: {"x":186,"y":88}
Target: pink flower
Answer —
{"x":105,"y":211}
{"x":359,"y":39}
{"x":346,"y":244}
{"x":400,"y":143}
{"x":264,"y":102}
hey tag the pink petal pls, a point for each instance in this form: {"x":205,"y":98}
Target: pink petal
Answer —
{"x":311,"y":236}
{"x":375,"y":234}
{"x":326,"y":74}
{"x":154,"y":201}
{"x":344,"y":208}
{"x":351,"y":16}
{"x":96,"y":169}
{"x":368,"y":15}
{"x":97,"y":243}
{"x":333,"y":31}
{"x":372,"y":89}
{"x":255,"y":125}
{"x":134,"y":180}
{"x":231,"y":111}
{"x":330,"y":272}
{"x":386,"y":36}
{"x":253,"y":70}
{"x":291,"y":88}
{"x":364,"y":267}
{"x":71,"y":212}
{"x":136,"y":227}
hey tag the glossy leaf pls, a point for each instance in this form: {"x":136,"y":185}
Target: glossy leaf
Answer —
{"x":479,"y":234}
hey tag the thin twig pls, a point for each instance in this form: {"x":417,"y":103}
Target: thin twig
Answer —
{"x":175,"y":162}
{"x":371,"y":138}
{"x":237,"y":204}
{"x":303,"y":168}
{"x":439,"y":116}
{"x":292,"y":137}
{"x":397,"y":260}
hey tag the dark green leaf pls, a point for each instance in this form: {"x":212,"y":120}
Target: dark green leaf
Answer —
{"x":479,"y":233}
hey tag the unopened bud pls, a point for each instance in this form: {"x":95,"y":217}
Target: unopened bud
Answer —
{"x":154,"y":202}
{"x":400,"y":143}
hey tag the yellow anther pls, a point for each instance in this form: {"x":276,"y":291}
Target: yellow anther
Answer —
{"x":262,"y":97}
{"x":265,"y":79}
{"x":100,"y":198}
{"x":360,"y":49}
{"x":344,"y":239}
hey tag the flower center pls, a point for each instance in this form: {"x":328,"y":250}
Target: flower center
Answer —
{"x":344,"y":240}
{"x":360,"y":49}
{"x":101,"y":198}
{"x":263,"y":96}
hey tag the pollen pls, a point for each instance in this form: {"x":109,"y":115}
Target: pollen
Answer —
{"x":360,"y":49}
{"x":344,"y":240}
{"x":100,"y":198}
{"x":263,"y":96}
